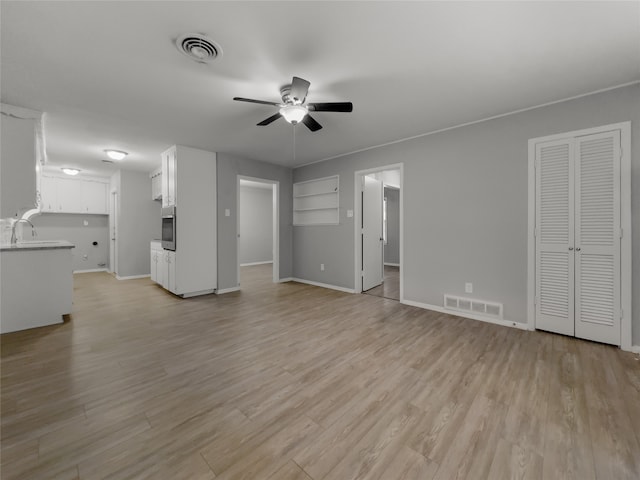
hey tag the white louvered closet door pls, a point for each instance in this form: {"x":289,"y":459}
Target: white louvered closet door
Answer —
{"x":555,"y":237}
{"x":578,"y":237}
{"x":597,"y":237}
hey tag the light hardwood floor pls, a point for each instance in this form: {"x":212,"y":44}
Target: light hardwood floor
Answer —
{"x":294,"y":382}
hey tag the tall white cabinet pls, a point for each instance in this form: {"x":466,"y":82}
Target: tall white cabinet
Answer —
{"x":578,"y":236}
{"x":189,"y":184}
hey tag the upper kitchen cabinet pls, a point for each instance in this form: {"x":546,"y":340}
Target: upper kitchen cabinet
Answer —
{"x":168,"y":177}
{"x":20,"y":155}
{"x":74,"y":195}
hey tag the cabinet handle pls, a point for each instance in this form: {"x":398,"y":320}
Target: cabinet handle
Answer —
{"x":578,"y":249}
{"x":570,"y":248}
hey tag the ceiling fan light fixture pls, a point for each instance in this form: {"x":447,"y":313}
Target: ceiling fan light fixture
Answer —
{"x":116,"y":154}
{"x":70,"y":171}
{"x":293,"y":113}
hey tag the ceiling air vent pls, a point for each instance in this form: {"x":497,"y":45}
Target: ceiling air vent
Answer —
{"x":198,"y":47}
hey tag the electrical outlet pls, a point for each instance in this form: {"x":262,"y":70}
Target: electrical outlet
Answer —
{"x":322,"y":267}
{"x":468,"y":287}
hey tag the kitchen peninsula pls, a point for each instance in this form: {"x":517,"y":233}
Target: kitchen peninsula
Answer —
{"x":36,"y":284}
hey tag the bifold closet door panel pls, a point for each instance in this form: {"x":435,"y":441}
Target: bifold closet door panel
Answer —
{"x":597,"y":237}
{"x":555,"y":237}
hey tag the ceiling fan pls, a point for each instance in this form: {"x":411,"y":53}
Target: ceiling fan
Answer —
{"x":293,"y":108}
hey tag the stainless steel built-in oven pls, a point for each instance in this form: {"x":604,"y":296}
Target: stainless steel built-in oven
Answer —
{"x":169,"y":228}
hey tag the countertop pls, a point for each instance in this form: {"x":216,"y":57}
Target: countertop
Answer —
{"x":37,"y":245}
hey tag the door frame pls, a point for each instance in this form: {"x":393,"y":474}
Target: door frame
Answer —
{"x":625,"y":224}
{"x":357,"y":222}
{"x":275,"y":218}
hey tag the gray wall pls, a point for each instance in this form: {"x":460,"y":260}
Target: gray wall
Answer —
{"x":229,"y":167}
{"x":465,"y":204}
{"x":256,"y":224}
{"x":138,"y":222}
{"x":71,"y":227}
{"x":392,"y":248}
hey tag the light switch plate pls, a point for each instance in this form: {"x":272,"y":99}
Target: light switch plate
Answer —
{"x":349,"y":213}
{"x":468,"y":287}
{"x":227,"y":212}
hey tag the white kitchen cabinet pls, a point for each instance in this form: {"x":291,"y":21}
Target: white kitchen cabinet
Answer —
{"x":157,"y":259}
{"x":168,"y":177}
{"x":74,"y":195}
{"x":189,"y":184}
{"x":94,"y":197}
{"x":69,"y":195}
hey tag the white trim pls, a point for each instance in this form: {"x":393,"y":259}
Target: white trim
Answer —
{"x":227,"y":290}
{"x":625,"y":223}
{"x":486,"y":119}
{"x":635,"y":349}
{"x":91,"y":270}
{"x":481,"y":318}
{"x":391,"y":264}
{"x":255,"y":263}
{"x":133,"y":277}
{"x":323,"y":285}
{"x":357,"y":214}
{"x":287,"y":279}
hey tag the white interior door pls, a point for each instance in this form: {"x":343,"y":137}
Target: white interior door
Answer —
{"x":598,"y":237}
{"x":372,"y":198}
{"x":113,"y":222}
{"x":555,"y":237}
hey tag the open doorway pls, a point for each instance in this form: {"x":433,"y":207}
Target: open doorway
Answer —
{"x":258,"y":240}
{"x":379,"y":231}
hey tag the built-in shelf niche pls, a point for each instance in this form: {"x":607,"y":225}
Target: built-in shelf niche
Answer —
{"x":316,"y":202}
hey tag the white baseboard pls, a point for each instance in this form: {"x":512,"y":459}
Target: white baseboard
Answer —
{"x":392,"y":264}
{"x":635,"y":349}
{"x":255,"y":263}
{"x":323,"y":285}
{"x":227,"y":290}
{"x":133,"y":277}
{"x":288,"y":279}
{"x":436,"y":308}
{"x":91,"y":270}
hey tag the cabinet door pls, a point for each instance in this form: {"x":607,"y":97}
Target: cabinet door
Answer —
{"x":153,"y":265}
{"x":69,"y":195}
{"x":94,"y":197}
{"x":163,"y":269}
{"x":171,"y":272}
{"x":156,"y":187}
{"x":171,"y":178}
{"x":48,"y":194}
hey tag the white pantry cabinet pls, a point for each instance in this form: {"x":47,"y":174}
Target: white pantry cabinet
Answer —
{"x":189,"y":184}
{"x":74,"y":195}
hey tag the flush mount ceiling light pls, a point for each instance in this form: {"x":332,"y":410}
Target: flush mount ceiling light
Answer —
{"x":198,"y":47}
{"x":71,"y":171}
{"x":116,"y":154}
{"x":293,"y":113}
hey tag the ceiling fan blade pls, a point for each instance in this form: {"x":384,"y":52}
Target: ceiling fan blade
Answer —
{"x":299,"y":89}
{"x":311,"y":123}
{"x":250,"y":100}
{"x":330,"y":107}
{"x":272,"y":118}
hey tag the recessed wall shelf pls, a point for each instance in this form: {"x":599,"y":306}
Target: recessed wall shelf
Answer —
{"x":317,"y":202}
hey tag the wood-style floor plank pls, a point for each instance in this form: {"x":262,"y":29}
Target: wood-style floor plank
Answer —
{"x":294,"y":382}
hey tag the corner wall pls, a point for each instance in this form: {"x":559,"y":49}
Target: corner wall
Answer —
{"x":465,"y":204}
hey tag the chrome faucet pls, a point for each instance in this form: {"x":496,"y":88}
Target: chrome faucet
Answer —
{"x":14,"y":239}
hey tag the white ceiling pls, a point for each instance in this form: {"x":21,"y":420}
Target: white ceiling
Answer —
{"x":108,"y":75}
